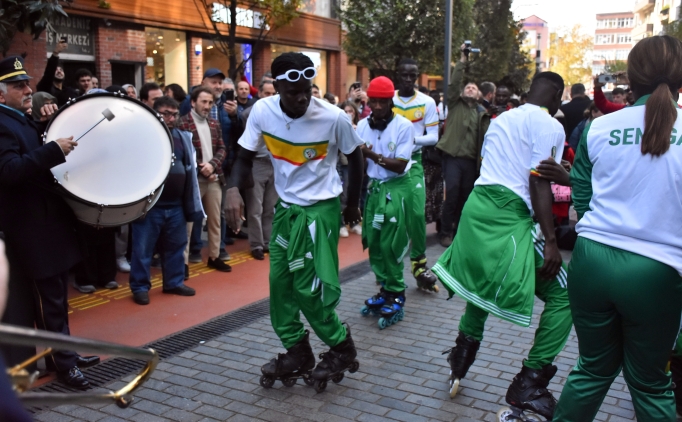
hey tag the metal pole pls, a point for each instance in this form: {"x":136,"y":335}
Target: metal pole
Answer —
{"x":448,"y":50}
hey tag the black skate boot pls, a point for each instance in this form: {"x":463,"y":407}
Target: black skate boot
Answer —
{"x":528,"y":392}
{"x":373,"y":304}
{"x":426,"y":280}
{"x":335,"y":362}
{"x":461,"y":357}
{"x":297,"y":362}
{"x":676,"y":371}
{"x":392,"y":312}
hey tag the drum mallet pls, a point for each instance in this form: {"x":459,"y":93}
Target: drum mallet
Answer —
{"x":108,"y":115}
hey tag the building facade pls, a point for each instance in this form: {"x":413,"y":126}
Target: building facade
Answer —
{"x":613,"y":39}
{"x":537,"y":41}
{"x":174,"y":41}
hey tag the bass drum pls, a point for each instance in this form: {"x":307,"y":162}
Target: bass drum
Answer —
{"x":116,"y":173}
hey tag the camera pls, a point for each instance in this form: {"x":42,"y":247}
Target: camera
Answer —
{"x":227,"y":95}
{"x":468,"y":49}
{"x":356,"y":85}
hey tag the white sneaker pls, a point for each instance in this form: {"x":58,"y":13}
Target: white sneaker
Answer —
{"x":357,"y":229}
{"x":343,"y":232}
{"x":123,"y":265}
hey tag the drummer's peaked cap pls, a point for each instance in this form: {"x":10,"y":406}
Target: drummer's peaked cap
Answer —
{"x":12,"y":69}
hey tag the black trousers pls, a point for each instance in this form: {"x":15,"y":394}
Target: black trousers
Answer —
{"x":99,"y":266}
{"x":52,"y":314}
{"x":459,"y":175}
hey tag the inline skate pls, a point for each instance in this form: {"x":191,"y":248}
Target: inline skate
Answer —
{"x":426,"y":280}
{"x":297,"y":362}
{"x":528,"y":396}
{"x":373,"y":304}
{"x":335,"y":362}
{"x":392,"y":312}
{"x":461,"y":357}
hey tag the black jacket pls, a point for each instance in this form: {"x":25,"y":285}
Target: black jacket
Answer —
{"x":39,"y":226}
{"x":573,"y":113}
{"x":46,"y":83}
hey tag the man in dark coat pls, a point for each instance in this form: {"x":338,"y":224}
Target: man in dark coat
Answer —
{"x":39,"y":226}
{"x":573,"y":111}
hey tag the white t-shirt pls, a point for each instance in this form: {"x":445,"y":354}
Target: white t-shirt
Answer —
{"x":396,"y":141}
{"x":304,"y":155}
{"x":420,"y":110}
{"x":514,"y":145}
{"x":636,"y":199}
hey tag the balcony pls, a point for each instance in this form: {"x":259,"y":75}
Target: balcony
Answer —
{"x":642,"y":31}
{"x":644,"y":5}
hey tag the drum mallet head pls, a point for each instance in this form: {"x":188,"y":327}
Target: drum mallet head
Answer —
{"x":108,"y":115}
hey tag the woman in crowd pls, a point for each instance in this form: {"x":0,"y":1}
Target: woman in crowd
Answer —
{"x":176,"y":92}
{"x":624,"y":279}
{"x":131,"y":91}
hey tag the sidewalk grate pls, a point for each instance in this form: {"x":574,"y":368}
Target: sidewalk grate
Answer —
{"x":117,"y":368}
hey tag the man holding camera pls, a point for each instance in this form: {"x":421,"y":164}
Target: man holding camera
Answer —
{"x":53,"y":79}
{"x":461,"y":145}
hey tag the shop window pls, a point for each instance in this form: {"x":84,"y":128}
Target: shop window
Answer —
{"x":213,"y":57}
{"x":318,"y":57}
{"x":166,"y":57}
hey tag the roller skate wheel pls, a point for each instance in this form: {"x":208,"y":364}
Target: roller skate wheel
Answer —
{"x":383,"y":323}
{"x":267,"y":381}
{"x":504,"y":414}
{"x":365,"y":310}
{"x":454,"y":386}
{"x":308,"y":380}
{"x":337,"y":378}
{"x":320,"y":385}
{"x":435,"y":288}
{"x":289,"y":382}
{"x":531,"y":417}
{"x":353,"y":368}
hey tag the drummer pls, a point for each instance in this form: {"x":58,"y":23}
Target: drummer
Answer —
{"x":39,"y":226}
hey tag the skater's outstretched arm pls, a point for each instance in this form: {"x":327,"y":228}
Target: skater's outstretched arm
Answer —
{"x":541,"y":200}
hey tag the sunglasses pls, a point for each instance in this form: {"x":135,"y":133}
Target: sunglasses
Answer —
{"x":294,"y":75}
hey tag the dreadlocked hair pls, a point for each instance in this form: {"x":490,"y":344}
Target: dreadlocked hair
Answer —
{"x":653,"y":68}
{"x":288,"y":61}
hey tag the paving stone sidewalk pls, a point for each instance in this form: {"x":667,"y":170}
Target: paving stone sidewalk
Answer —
{"x":402,"y":376}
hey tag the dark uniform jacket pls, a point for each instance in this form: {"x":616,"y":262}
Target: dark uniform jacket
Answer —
{"x":39,"y":226}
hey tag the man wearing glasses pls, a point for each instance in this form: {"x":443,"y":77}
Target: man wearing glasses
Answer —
{"x":303,"y":136}
{"x":178,"y":204}
{"x":39,"y":227}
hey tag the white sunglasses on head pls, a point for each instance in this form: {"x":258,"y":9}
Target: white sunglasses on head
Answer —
{"x":294,"y":75}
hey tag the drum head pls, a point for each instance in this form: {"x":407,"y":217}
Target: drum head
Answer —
{"x":121,"y":160}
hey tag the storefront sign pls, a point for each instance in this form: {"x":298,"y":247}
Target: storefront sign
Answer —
{"x":79,"y":34}
{"x":245,"y":17}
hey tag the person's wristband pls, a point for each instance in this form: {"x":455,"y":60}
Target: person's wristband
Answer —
{"x":380,"y":160}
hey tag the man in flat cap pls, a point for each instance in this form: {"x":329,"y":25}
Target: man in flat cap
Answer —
{"x":39,"y":226}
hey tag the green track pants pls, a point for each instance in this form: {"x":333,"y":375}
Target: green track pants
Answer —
{"x":626,"y":310}
{"x":416,"y":213}
{"x":555,"y":321}
{"x":295,"y":286}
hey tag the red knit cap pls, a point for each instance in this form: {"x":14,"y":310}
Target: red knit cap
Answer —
{"x":381,"y":87}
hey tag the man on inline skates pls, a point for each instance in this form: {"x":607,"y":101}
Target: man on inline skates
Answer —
{"x":303,"y":136}
{"x":499,"y":259}
{"x":388,"y":140}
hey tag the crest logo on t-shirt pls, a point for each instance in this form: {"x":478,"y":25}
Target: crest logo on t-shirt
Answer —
{"x":391,"y":146}
{"x":309,"y":153}
{"x":418,"y":114}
